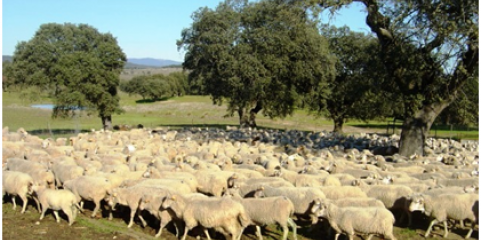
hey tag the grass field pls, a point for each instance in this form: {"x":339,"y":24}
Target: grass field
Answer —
{"x":177,"y":112}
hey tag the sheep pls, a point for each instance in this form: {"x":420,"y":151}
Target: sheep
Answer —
{"x":358,"y":202}
{"x":333,"y":192}
{"x":394,"y":197}
{"x":302,"y":197}
{"x":38,"y":171}
{"x":460,"y":207}
{"x":210,"y":183}
{"x":57,"y":200}
{"x":152,"y":202}
{"x":355,"y":220}
{"x":269,"y":210}
{"x":64,"y":172}
{"x":248,"y":186}
{"x":223,"y":214}
{"x":19,"y":184}
{"x":89,"y":188}
{"x":174,"y":184}
{"x":187,"y":177}
{"x":131,"y":197}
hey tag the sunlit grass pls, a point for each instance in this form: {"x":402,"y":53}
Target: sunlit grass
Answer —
{"x":177,"y":112}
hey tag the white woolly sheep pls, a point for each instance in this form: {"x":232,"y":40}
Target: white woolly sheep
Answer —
{"x":64,"y":172}
{"x":394,"y":197}
{"x":265,"y":211}
{"x":303,"y":198}
{"x":460,"y":207}
{"x":131,"y":197}
{"x":19,"y":184}
{"x":356,"y":220}
{"x":222,"y":214}
{"x":358,"y":202}
{"x":333,"y":192}
{"x":152,"y":202}
{"x":57,"y":200}
{"x":89,"y":188}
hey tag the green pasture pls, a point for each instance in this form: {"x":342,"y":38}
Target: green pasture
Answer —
{"x":177,"y":112}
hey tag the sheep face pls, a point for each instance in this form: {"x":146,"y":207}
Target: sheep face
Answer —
{"x":169,"y":201}
{"x":417,"y":204}
{"x":319,"y":209}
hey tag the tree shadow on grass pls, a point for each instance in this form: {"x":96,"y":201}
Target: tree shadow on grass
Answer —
{"x":143,"y":101}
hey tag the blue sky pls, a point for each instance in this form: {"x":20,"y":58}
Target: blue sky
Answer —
{"x":144,"y":28}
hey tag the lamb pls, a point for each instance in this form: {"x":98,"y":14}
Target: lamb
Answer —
{"x":265,"y":211}
{"x":355,"y":220}
{"x":91,"y":189}
{"x":17,"y":184}
{"x":57,"y":200}
{"x":223,"y":214}
{"x":462,"y":206}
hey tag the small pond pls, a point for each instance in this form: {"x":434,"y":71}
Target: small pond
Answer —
{"x":50,"y":106}
{"x":43,"y":106}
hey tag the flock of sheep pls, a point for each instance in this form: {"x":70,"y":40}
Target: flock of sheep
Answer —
{"x":226,"y":180}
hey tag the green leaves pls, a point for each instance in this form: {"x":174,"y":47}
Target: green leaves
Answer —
{"x":76,"y":63}
{"x":265,"y":52}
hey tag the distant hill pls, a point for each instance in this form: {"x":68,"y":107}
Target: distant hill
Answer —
{"x":6,"y":58}
{"x":152,"y":62}
{"x":140,"y":63}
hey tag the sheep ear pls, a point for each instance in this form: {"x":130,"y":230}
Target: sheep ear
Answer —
{"x":315,"y":208}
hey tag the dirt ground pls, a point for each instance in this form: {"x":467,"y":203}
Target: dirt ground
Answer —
{"x":26,"y":226}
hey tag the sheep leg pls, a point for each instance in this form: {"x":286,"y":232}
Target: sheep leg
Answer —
{"x":144,"y":223}
{"x":38,"y":204}
{"x":285,"y":231}
{"x":44,"y":209}
{"x":97,"y":206}
{"x":336,"y":237}
{"x":208,"y":236}
{"x":445,"y":223}
{"x":14,"y":204}
{"x":258,"y":232}
{"x":434,"y":221}
{"x":186,"y":229}
{"x":293,"y":226}
{"x":132,"y":215}
{"x":25,"y":201}
{"x":69,"y":212}
{"x":468,"y":235}
{"x":57,"y":218}
{"x":240,"y":233}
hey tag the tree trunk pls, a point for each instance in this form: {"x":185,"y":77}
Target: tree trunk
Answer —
{"x":338,"y":123}
{"x":107,"y":122}
{"x":243,"y":118}
{"x":416,"y":128}
{"x":253,"y":114}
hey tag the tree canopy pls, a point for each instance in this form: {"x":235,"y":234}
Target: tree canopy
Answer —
{"x":430,"y":50}
{"x":157,"y":86}
{"x":76,"y":64}
{"x":356,"y":90}
{"x":257,"y":56}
